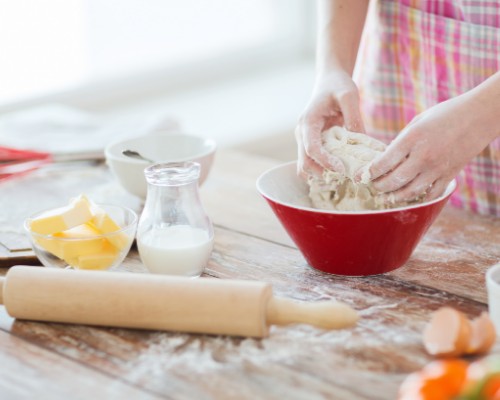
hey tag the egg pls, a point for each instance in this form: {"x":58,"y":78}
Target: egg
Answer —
{"x":483,"y":335}
{"x":449,"y":333}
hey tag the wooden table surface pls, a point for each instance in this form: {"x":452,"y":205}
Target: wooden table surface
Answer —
{"x":56,"y":361}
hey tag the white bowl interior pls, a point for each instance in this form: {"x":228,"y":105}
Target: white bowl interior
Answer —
{"x":158,"y":148}
{"x":282,"y":185}
{"x":162,"y":148}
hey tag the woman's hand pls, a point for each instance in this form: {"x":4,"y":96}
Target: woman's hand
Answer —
{"x":335,"y":101}
{"x":432,"y":149}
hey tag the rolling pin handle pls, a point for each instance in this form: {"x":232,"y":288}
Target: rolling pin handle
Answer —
{"x":321,"y":314}
{"x":2,"y":283}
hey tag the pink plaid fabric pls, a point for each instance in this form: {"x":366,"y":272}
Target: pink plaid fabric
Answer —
{"x":417,"y":53}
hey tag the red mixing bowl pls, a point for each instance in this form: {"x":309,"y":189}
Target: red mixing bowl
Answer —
{"x":356,"y":243}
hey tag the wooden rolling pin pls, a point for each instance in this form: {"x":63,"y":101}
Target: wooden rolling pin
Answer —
{"x":158,"y":302}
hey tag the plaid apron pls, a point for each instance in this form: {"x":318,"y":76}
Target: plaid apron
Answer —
{"x":417,"y":53}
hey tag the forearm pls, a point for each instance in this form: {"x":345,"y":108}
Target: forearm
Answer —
{"x":436,"y":145}
{"x":340,"y":25}
{"x":483,"y":106}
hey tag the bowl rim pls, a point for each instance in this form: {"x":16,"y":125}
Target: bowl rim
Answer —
{"x":450,"y":188}
{"x":110,"y":155}
{"x":135,"y":219}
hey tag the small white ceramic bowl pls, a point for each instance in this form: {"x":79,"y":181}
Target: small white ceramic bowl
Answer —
{"x":162,"y":148}
{"x":493,"y":288}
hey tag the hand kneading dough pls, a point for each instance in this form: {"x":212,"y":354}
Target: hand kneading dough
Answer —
{"x":339,"y":191}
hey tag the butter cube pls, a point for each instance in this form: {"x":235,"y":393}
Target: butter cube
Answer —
{"x":102,"y":260}
{"x":82,"y":240}
{"x":63,"y":218}
{"x":73,"y":262}
{"x":105,"y":224}
{"x":74,"y":234}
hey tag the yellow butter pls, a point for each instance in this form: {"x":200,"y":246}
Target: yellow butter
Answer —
{"x":105,"y":224}
{"x":73,"y":262}
{"x":102,"y":260}
{"x":73,"y":235}
{"x":76,"y":213}
{"x":78,"y":241}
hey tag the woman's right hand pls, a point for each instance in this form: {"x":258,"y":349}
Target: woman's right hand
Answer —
{"x":335,"y":101}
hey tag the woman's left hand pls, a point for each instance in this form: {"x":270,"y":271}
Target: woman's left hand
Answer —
{"x":432,"y":149}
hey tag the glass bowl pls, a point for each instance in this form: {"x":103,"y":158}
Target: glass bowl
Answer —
{"x":85,"y":249}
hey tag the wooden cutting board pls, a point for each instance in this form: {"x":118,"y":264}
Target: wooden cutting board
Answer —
{"x":49,"y":187}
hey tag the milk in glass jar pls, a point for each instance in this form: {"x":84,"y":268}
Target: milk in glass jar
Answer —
{"x":175,"y":235}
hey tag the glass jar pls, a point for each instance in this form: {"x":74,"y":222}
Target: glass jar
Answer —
{"x":175,"y":235}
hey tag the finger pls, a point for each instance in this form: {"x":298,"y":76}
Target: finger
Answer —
{"x":300,"y":153}
{"x":391,"y":158}
{"x":312,"y":168}
{"x":416,"y":189}
{"x":300,"y":168}
{"x":397,"y":178}
{"x":305,"y":165}
{"x":363,"y":175}
{"x":314,"y":150}
{"x":436,"y":190}
{"x":333,"y":163}
{"x":309,"y":133}
{"x":349,"y":104}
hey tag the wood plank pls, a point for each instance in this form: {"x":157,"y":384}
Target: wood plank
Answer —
{"x":30,"y":372}
{"x":297,"y":362}
{"x":455,"y":254}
